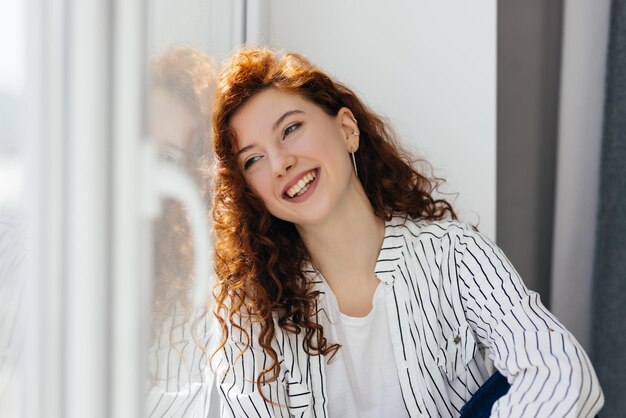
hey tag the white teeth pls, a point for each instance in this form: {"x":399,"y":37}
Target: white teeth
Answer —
{"x":301,"y":186}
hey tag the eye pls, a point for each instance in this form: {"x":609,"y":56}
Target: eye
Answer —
{"x":291,"y":128}
{"x":170,"y":158}
{"x":251,"y":161}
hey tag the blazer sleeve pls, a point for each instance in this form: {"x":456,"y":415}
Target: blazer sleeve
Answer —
{"x":179,"y":374}
{"x":549,"y":372}
{"x":237,"y":371}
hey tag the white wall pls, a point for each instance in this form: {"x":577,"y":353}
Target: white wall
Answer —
{"x":430,"y":67}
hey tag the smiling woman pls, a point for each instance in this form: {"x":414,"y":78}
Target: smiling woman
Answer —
{"x":360,"y":295}
{"x":289,"y":146}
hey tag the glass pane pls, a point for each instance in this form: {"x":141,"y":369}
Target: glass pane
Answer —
{"x":12,"y":219}
{"x":182,"y":68}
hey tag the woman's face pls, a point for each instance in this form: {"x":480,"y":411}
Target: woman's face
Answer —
{"x":171,"y":123}
{"x":294,"y":156}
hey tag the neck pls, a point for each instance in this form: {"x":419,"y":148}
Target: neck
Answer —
{"x":345,"y":247}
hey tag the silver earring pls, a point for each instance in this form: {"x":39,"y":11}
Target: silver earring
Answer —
{"x":352,"y":153}
{"x":354,"y":164}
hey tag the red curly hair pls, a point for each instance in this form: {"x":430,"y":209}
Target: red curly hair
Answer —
{"x":260,"y":257}
{"x":189,"y":74}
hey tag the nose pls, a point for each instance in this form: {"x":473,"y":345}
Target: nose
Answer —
{"x":281,"y":163}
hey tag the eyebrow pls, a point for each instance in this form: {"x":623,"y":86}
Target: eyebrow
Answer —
{"x":283,"y":117}
{"x":274,"y":127}
{"x":176,"y":147}
{"x":244,"y":149}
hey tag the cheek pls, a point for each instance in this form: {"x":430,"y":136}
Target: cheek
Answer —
{"x":260,"y":186}
{"x":263,"y":188}
{"x":334,"y":144}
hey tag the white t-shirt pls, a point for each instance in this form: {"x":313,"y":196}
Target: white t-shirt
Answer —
{"x":362,"y":379}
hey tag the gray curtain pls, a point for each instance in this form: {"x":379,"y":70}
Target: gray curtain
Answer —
{"x":609,"y":312}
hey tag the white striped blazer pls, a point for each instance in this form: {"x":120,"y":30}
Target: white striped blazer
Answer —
{"x":180,"y":381}
{"x":449,"y":293}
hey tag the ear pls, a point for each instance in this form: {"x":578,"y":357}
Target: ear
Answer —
{"x":350,"y":128}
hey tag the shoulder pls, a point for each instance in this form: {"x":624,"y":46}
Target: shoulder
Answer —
{"x":437,"y":238}
{"x":410,"y":228}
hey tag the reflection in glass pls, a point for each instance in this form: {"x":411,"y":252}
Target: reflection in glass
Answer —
{"x":13,"y":222}
{"x":179,"y":111}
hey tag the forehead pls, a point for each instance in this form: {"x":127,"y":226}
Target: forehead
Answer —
{"x":164,"y":104}
{"x":262,"y":110}
{"x":169,"y":117}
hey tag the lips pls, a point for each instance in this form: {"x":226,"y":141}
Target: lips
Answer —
{"x":300,"y":184}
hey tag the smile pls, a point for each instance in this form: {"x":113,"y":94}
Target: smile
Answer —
{"x":302,"y":185}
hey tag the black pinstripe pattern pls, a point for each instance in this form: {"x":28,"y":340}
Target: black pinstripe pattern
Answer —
{"x":450,"y":293}
{"x":178,"y":366}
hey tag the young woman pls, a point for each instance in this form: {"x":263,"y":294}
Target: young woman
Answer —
{"x":345,"y":289}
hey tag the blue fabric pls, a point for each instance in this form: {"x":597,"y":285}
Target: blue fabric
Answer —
{"x":479,"y":406}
